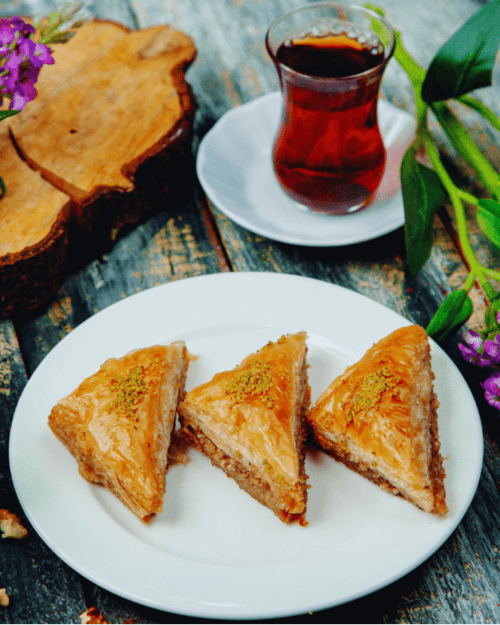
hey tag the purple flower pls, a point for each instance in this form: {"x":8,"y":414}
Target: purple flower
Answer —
{"x":22,"y":95}
{"x":492,"y":390}
{"x":480,"y":352}
{"x":21,"y":26}
{"x":492,"y":350}
{"x":7,"y":34}
{"x":12,"y":29}
{"x":23,"y":61}
{"x":474,"y":352}
{"x":473,"y":339}
{"x":38,"y":54}
{"x":476,"y":358}
{"x":469,"y":355}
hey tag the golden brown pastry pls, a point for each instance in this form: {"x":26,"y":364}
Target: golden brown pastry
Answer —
{"x":118,"y":424}
{"x":380,"y":419}
{"x":250,"y":422}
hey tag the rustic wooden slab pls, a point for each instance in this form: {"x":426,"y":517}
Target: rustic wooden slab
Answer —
{"x":93,"y":135}
{"x":93,"y":107}
{"x":24,"y":258}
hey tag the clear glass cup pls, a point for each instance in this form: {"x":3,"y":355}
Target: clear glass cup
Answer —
{"x":328,"y":154}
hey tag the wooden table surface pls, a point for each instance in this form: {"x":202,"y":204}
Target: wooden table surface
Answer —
{"x":189,"y":237}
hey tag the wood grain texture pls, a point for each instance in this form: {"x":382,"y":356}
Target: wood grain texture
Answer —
{"x":92,"y":108}
{"x":171,"y":245}
{"x":460,"y":582}
{"x":40,"y":586}
{"x":34,"y":218}
{"x":92,"y":135}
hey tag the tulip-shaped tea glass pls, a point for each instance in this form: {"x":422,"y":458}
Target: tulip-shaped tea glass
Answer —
{"x":328,"y":154}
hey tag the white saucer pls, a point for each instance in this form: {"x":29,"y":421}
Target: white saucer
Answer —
{"x":235,"y":171}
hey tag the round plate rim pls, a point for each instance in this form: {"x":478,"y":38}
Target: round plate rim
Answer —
{"x":211,"y":282}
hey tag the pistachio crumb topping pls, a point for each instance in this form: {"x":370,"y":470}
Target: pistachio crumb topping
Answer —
{"x":267,"y":465}
{"x":369,"y":393}
{"x":256,"y":380}
{"x":130,"y":389}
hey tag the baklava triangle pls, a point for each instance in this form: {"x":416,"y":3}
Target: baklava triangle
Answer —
{"x":250,"y":421}
{"x":118,"y":424}
{"x":380,"y":419}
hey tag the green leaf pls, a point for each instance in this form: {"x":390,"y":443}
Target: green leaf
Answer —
{"x":5,"y":114}
{"x":374,"y":8}
{"x":423,"y":194}
{"x":3,"y":188}
{"x":465,"y":62}
{"x":488,"y":218}
{"x":54,"y":19}
{"x":490,"y":206}
{"x":63,"y":37}
{"x":450,"y":316}
{"x":490,"y":314}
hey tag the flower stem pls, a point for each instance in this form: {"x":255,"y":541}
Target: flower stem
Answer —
{"x":475,"y":267}
{"x":468,"y":197}
{"x":492,"y":273}
{"x":465,"y":146}
{"x":469,"y":282}
{"x":415,"y":73}
{"x":481,"y":108}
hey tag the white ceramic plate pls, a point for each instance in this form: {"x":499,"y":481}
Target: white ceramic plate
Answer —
{"x":235,"y":170}
{"x":214,"y":551}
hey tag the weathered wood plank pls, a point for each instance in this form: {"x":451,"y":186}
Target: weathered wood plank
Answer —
{"x":172,"y":245}
{"x":117,"y":10}
{"x":40,"y":586}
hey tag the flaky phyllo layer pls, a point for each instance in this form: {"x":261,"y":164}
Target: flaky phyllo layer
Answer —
{"x":251,"y":422}
{"x":380,"y":418}
{"x":118,"y":424}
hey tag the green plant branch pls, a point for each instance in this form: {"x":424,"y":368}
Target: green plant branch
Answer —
{"x":466,"y":147}
{"x":415,"y":73}
{"x":469,"y":282}
{"x":475,"y":267}
{"x":454,"y":57}
{"x":492,"y":273}
{"x":468,"y":197}
{"x":455,"y":198}
{"x":471,"y":199}
{"x":481,"y":108}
